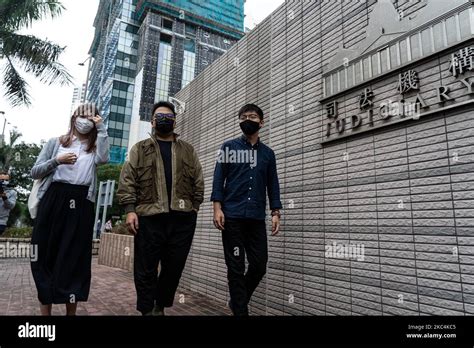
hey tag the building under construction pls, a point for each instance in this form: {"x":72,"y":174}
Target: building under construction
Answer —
{"x":144,"y":51}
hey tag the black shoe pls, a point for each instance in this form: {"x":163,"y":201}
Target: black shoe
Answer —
{"x":229,"y":305}
{"x":158,"y":311}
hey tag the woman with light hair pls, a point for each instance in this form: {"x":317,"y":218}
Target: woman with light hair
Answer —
{"x":62,"y":234}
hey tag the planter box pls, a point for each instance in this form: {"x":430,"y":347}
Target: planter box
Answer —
{"x":116,"y":250}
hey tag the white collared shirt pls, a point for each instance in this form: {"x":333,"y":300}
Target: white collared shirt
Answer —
{"x":79,"y":173}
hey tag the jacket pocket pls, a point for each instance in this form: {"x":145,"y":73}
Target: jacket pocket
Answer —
{"x":186,"y":179}
{"x":145,"y":182}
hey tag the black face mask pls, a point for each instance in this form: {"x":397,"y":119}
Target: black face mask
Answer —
{"x":165,"y":126}
{"x":249,"y":127}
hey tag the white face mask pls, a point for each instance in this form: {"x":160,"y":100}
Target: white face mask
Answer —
{"x":83,"y":125}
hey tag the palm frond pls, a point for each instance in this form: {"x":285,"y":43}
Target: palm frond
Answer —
{"x":16,"y":87}
{"x":16,"y":14}
{"x":36,"y":56}
{"x":27,"y":52}
{"x":14,"y":136}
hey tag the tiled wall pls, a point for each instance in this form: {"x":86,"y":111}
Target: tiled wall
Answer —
{"x":419,"y":255}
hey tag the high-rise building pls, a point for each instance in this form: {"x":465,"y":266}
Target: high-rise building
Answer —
{"x":78,"y":96}
{"x":178,"y":39}
{"x":144,"y":51}
{"x":114,"y":52}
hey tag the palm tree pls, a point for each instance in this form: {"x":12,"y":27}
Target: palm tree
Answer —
{"x":31,"y":54}
{"x":7,"y":150}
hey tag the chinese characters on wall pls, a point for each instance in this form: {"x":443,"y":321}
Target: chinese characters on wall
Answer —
{"x":409,"y":83}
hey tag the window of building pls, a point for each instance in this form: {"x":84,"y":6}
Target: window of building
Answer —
{"x":190,"y":30}
{"x":189,"y":62}
{"x":163,"y":71}
{"x":189,"y":45}
{"x":166,"y":38}
{"x":167,"y":24}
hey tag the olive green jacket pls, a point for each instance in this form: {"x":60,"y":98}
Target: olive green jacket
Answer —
{"x":142,"y":184}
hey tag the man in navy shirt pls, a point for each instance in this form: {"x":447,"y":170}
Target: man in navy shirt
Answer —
{"x":245,"y":172}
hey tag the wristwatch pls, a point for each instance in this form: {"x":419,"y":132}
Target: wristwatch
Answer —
{"x":276,"y":213}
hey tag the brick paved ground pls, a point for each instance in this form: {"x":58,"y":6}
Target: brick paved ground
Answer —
{"x":112,"y":293}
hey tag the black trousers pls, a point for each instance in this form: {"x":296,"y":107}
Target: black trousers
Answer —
{"x":241,"y":237}
{"x":163,"y":238}
{"x":2,"y":229}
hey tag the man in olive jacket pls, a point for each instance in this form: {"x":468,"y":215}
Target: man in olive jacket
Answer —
{"x":161,"y":188}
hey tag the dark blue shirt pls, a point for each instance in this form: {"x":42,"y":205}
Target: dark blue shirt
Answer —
{"x":165,"y":150}
{"x":241,"y":187}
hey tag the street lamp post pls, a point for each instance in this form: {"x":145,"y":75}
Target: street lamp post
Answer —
{"x":3,"y":131}
{"x":88,"y":74}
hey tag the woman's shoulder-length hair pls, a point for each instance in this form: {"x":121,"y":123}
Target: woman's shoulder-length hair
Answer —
{"x":88,"y":109}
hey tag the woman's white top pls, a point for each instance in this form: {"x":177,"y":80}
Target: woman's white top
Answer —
{"x":79,"y":173}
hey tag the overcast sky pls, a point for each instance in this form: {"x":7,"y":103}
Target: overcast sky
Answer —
{"x":50,"y":111}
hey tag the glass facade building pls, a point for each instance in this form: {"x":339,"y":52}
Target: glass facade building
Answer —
{"x":125,"y":29}
{"x":111,"y":83}
{"x":224,"y":16}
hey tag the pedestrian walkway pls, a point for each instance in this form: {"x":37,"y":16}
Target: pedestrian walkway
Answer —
{"x":112,"y":293}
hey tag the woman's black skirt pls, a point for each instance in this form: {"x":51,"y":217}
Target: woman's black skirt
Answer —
{"x":62,"y":236}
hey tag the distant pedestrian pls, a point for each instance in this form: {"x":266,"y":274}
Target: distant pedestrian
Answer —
{"x":98,"y":226}
{"x":108,"y":226}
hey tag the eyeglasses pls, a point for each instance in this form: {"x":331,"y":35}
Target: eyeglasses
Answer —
{"x":160,"y":116}
{"x":251,"y":117}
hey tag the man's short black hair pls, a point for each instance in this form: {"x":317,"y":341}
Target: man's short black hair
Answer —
{"x":164,"y":104}
{"x":251,"y":107}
